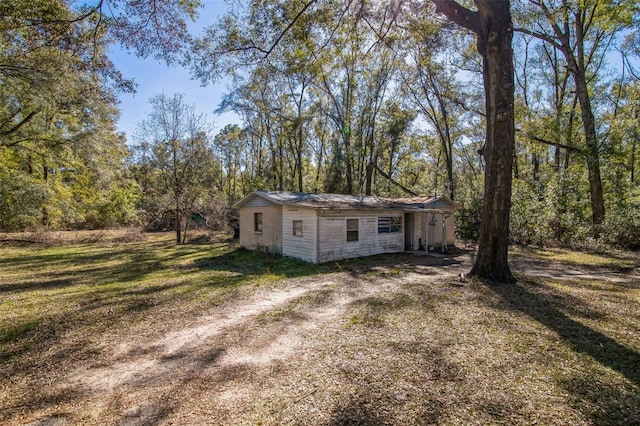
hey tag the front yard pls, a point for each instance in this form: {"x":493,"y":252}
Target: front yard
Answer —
{"x":126,"y":328}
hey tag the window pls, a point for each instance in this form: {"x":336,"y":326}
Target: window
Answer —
{"x":297,"y":228}
{"x":257,"y":222}
{"x":388,"y":224}
{"x":352,"y":229}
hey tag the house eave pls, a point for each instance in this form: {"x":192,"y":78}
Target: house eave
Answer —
{"x":325,"y":202}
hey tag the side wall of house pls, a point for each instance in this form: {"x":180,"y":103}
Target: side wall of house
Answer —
{"x":303,"y":245}
{"x":270,"y":238}
{"x":332,"y":235}
{"x":451,"y":228}
{"x":433,"y":232}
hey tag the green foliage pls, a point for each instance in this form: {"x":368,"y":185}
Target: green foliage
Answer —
{"x":622,"y":227}
{"x":119,"y":208}
{"x":57,"y":118}
{"x":21,"y":199}
{"x":468,"y":218}
{"x":531,"y":217}
{"x":552,"y":209}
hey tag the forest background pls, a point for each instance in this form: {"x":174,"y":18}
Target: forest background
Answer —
{"x":367,"y":97}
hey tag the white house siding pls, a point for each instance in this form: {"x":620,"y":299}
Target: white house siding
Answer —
{"x":433,"y":231}
{"x":418,"y":227}
{"x":302,"y":247}
{"x":270,"y":238}
{"x":451,"y":235}
{"x":332,"y":238}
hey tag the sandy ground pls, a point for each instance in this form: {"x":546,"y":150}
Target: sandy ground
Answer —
{"x":211,"y":368}
{"x":205,"y":370}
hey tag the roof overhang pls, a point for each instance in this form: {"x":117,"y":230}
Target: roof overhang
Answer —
{"x":326,"y":202}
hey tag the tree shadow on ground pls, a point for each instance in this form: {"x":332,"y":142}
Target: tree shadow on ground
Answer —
{"x":619,"y":278}
{"x":614,"y":405}
{"x":357,"y":412}
{"x":622,"y":261}
{"x":250,"y":262}
{"x":416,"y":262}
{"x":50,"y":271}
{"x":102,"y":308}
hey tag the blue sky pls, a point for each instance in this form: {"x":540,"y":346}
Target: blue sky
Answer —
{"x":153,"y":77}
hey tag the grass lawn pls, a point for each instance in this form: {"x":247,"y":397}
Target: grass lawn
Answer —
{"x":127,"y":328}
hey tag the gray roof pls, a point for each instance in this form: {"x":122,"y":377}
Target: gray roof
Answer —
{"x":350,"y":202}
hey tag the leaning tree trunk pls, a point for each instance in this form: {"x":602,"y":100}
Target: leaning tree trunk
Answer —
{"x":178,"y":220}
{"x":493,"y":27}
{"x":593,"y":155}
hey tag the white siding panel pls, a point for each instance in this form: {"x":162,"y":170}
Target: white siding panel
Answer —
{"x":271,"y":236}
{"x":333,"y":245}
{"x":303,"y":247}
{"x":434,"y":225}
{"x":418,"y":226}
{"x":435,"y":233}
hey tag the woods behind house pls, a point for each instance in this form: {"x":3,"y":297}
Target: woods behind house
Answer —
{"x":358,"y":98}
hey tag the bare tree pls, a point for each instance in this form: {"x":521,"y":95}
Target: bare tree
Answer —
{"x":180,"y":152}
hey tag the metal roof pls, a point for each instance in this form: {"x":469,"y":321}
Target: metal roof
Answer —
{"x":349,"y":202}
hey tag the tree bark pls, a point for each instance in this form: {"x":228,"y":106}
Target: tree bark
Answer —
{"x":577,"y":63}
{"x":493,"y":26}
{"x":178,"y":221}
{"x":592,"y":150}
{"x":368,"y":186}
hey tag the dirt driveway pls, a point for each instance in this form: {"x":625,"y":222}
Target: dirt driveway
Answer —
{"x":209,"y":369}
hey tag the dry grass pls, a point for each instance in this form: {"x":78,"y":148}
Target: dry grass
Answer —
{"x":147,"y":332}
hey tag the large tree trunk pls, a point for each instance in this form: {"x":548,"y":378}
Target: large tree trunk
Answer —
{"x":577,"y":66}
{"x":593,"y":155}
{"x":492,"y":24}
{"x":368,"y":182}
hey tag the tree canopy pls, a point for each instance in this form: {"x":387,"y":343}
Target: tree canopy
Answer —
{"x":362,"y":97}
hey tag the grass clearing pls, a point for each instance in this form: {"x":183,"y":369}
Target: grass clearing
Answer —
{"x":614,"y":259}
{"x":51,"y":289}
{"x":116,"y":330}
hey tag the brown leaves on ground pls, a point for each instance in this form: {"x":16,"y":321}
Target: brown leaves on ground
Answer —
{"x":388,"y":340}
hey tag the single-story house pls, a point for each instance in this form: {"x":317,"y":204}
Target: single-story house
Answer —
{"x":324,"y":227}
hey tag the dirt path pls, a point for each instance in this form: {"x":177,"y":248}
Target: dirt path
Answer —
{"x":214,"y":369}
{"x":150,"y":361}
{"x":209,"y":368}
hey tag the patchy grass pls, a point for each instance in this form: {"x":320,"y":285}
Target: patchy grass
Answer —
{"x":615,"y":259}
{"x":472,"y":355}
{"x":112,"y":282}
{"x":386,"y":340}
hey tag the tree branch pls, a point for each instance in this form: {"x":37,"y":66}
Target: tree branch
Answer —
{"x":546,"y":142}
{"x":459,"y":15}
{"x":540,"y":36}
{"x":286,"y":30}
{"x":390,"y":179}
{"x":17,"y":127}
